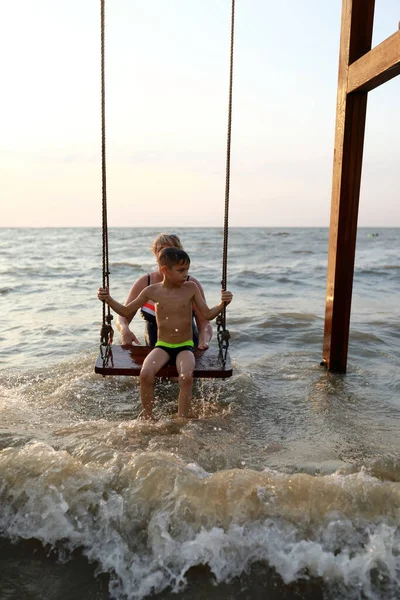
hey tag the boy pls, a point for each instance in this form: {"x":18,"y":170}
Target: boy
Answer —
{"x":173,"y":299}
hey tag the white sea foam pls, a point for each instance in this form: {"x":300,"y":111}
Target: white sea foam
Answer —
{"x":144,"y":523}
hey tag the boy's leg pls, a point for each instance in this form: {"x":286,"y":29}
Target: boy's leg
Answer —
{"x":153,"y":362}
{"x":185,"y":367}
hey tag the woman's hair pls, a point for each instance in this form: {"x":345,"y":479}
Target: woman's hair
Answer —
{"x":166,"y":240}
{"x":169,"y":257}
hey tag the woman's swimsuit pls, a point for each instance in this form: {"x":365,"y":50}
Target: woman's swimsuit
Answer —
{"x":149,"y":315}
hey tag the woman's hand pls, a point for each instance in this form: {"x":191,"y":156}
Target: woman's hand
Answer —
{"x":205,"y":334}
{"x":128,"y":338}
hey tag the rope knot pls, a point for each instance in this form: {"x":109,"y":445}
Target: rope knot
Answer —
{"x":106,"y":335}
{"x":106,"y":338}
{"x":225,"y":335}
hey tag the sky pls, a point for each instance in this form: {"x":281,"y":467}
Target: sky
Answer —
{"x":167,"y":83}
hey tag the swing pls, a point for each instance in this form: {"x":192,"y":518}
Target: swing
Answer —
{"x":128,"y":360}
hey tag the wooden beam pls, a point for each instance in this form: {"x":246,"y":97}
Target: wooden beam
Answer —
{"x":379,"y":65}
{"x":355,"y":41}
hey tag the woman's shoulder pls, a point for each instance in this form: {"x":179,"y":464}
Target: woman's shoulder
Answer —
{"x":142,"y":280}
{"x":145,"y":280}
{"x":193,"y":279}
{"x":196,"y":282}
{"x":139,"y":285}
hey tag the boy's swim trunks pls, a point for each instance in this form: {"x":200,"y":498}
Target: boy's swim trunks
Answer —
{"x":174,"y":349}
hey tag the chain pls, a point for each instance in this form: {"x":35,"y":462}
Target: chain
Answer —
{"x":223,"y":337}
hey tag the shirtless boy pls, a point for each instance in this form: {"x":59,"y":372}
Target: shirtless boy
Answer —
{"x":173,"y":299}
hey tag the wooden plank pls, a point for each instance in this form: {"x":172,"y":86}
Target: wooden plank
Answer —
{"x":128,"y":360}
{"x":379,"y":65}
{"x":355,"y":41}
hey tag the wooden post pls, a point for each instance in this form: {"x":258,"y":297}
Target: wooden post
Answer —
{"x":355,"y":41}
{"x":360,"y":71}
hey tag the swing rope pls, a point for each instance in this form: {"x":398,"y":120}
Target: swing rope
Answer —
{"x":107,"y":332}
{"x":223,"y":334}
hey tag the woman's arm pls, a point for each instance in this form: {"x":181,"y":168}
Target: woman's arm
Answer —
{"x":122,"y":323}
{"x":203,"y":325}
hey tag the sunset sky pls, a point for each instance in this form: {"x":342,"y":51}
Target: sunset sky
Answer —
{"x":167,"y":75}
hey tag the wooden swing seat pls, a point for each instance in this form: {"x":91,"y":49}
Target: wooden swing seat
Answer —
{"x":128,"y":360}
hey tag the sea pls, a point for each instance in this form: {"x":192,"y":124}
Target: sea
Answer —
{"x":284,"y":484}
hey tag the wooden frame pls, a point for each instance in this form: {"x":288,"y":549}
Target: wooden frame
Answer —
{"x":360,"y":70}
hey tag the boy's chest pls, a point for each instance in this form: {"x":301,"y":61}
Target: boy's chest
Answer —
{"x":178,"y":302}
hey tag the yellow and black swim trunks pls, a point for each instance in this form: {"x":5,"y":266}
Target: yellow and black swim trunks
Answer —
{"x":174,"y":349}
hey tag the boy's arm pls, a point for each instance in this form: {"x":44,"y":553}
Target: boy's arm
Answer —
{"x":127,"y":311}
{"x":211,"y":313}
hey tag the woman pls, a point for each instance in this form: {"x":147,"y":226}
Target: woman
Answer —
{"x":202,"y":329}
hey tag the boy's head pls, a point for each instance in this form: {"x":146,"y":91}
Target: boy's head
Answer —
{"x":170,"y":257}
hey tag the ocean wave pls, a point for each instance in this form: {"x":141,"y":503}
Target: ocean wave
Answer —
{"x":6,"y":290}
{"x":383,"y":272}
{"x":146,"y":520}
{"x":364,"y":336}
{"x":126,"y":264}
{"x":289,"y":320}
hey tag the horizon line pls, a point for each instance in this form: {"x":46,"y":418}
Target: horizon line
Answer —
{"x":161,"y":227}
